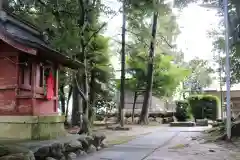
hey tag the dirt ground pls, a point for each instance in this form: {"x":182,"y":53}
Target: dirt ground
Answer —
{"x":118,"y":137}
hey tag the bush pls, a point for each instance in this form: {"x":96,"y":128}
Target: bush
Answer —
{"x":204,"y":106}
{"x":99,"y":117}
{"x":182,"y":110}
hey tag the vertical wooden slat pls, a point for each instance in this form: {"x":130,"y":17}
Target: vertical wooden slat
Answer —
{"x":33,"y":88}
{"x":18,"y":82}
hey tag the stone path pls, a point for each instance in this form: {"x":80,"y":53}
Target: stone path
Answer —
{"x":166,"y":143}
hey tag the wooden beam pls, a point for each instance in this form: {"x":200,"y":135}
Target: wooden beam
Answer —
{"x":18,"y":46}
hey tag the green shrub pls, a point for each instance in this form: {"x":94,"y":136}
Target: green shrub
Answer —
{"x":99,"y":117}
{"x":204,"y":106}
{"x":182,"y":110}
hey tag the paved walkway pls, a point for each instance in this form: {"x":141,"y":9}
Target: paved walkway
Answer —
{"x":165,"y":143}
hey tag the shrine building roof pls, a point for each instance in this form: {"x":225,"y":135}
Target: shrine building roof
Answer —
{"x":14,"y":30}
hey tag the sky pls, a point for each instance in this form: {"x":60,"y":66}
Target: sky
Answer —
{"x":195,"y":22}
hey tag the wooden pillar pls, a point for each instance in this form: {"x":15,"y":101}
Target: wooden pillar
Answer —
{"x":33,"y":88}
{"x":56,"y":89}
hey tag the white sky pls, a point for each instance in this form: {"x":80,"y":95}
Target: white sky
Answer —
{"x":195,"y":22}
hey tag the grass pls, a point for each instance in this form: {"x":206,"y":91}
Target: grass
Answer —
{"x":120,"y":140}
{"x":123,"y":139}
{"x":179,"y":146}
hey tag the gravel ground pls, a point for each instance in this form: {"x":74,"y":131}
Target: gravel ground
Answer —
{"x":182,"y":147}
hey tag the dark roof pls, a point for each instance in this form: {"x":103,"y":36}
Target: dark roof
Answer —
{"x":26,"y":34}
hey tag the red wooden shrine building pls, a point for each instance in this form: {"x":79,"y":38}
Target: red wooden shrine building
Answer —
{"x":28,"y":70}
{"x":27,"y":67}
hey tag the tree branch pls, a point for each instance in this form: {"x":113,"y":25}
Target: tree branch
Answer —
{"x":137,"y":36}
{"x":55,"y":13}
{"x":95,"y":33}
{"x":79,"y":89}
{"x":99,"y":29}
{"x":164,"y":39}
{"x":63,"y":11}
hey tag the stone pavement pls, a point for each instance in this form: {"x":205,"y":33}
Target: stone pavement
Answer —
{"x":166,"y":143}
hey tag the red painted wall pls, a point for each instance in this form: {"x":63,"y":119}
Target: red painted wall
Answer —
{"x":45,"y":107}
{"x":8,"y":79}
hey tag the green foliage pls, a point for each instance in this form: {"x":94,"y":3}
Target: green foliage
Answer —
{"x":182,"y":111}
{"x":139,"y":14}
{"x":138,"y":17}
{"x":183,"y":3}
{"x":166,"y":76}
{"x":204,"y":106}
{"x":200,"y":76}
{"x":235,"y":64}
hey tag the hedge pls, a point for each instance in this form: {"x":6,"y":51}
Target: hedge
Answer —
{"x":204,"y":106}
{"x":182,"y":110}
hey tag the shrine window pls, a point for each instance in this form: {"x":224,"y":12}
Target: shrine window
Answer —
{"x":43,"y":74}
{"x":25,"y":69}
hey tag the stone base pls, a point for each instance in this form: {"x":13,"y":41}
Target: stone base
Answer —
{"x":201,"y":122}
{"x":31,"y":127}
{"x":64,"y":148}
{"x":182,"y":124}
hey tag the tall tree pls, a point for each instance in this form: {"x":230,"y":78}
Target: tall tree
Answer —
{"x":122,"y":91}
{"x":138,"y":27}
{"x":144,"y":113}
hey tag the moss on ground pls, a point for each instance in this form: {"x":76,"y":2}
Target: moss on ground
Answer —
{"x":120,"y":140}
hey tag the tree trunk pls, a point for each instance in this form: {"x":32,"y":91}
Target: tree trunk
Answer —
{"x":85,"y":90}
{"x":122,"y":96}
{"x":92,"y":97}
{"x":119,"y":112}
{"x":76,"y":108}
{"x":68,"y":99}
{"x":134,"y":104}
{"x":144,"y":113}
{"x":62,"y":99}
